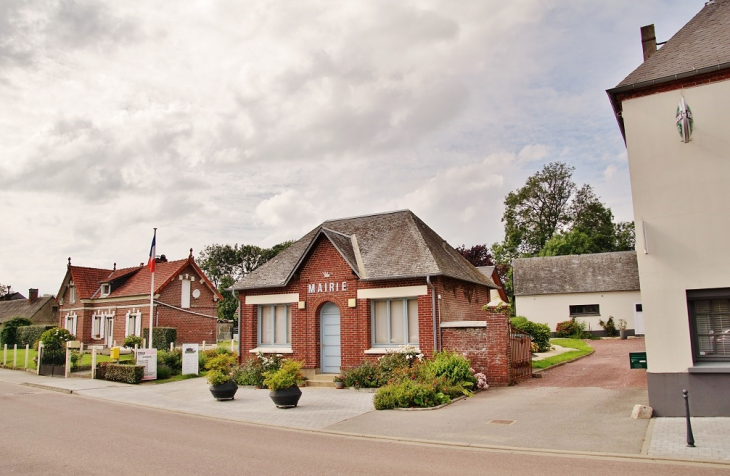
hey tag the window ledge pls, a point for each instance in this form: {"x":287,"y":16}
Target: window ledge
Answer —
{"x":710,"y":368}
{"x":271,"y":350}
{"x":445,"y":325}
{"x":386,"y":350}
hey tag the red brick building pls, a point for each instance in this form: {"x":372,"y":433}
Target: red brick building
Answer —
{"x":103,"y":306}
{"x":355,"y":288}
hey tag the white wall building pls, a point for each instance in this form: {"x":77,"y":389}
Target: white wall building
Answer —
{"x":681,"y":197}
{"x":589,"y":288}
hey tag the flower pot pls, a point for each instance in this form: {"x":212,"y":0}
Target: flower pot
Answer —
{"x":622,"y":333}
{"x":286,"y":398}
{"x":224,"y":391}
{"x":339,"y":384}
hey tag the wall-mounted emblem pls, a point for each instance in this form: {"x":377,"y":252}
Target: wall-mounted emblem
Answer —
{"x":685,"y":122}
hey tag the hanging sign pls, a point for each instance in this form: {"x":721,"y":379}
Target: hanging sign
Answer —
{"x":685,"y":123}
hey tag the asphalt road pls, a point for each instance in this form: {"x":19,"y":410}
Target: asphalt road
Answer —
{"x":43,"y":432}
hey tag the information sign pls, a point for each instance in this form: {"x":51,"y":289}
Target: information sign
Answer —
{"x":148,"y":359}
{"x":190,"y":359}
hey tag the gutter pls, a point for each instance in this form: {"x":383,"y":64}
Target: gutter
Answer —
{"x":433,"y":311}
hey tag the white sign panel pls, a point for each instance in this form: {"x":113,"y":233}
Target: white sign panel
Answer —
{"x":190,"y":359}
{"x":148,"y":359}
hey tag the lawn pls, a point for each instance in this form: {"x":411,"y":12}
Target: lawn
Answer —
{"x":86,"y":360}
{"x":581,"y":349}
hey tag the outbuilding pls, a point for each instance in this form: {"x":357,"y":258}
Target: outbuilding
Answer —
{"x":356,"y":288}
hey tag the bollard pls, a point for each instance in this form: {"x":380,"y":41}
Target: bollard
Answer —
{"x":690,"y":436}
{"x":15,"y":356}
{"x":5,"y":354}
{"x":93,"y":363}
{"x":172,"y":346}
{"x":27,"y":351}
{"x":40,"y":358}
{"x":233,"y":348}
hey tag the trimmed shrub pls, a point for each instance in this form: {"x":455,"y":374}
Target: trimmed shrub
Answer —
{"x":365,"y":375}
{"x":8,"y":331}
{"x":163,"y":372}
{"x":30,"y":335}
{"x":455,"y":368}
{"x":54,"y":345}
{"x":539,"y":333}
{"x":171,"y":360}
{"x":120,"y":373}
{"x":567,"y":329}
{"x":408,"y":394}
{"x":161,"y":336}
{"x":131,"y":341}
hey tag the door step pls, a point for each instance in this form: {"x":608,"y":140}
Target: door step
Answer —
{"x":321,"y":380}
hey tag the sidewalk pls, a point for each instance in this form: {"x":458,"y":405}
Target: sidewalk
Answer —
{"x":573,"y":420}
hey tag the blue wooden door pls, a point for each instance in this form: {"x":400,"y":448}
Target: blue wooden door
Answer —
{"x":330,"y":337}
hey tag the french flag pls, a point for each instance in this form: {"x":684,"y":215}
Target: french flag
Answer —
{"x":151,"y":261}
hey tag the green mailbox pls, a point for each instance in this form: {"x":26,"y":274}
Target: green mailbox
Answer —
{"x":637,"y":360}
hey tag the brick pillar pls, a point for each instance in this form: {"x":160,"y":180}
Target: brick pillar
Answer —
{"x":498,"y":367}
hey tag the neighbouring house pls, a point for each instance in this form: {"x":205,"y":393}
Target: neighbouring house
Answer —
{"x":674,"y":114}
{"x":355,"y":288}
{"x":589,"y":288}
{"x":40,"y":310}
{"x":491,"y":273}
{"x":103,"y":306}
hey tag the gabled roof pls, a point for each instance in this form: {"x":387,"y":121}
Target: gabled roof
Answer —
{"x":22,"y":308}
{"x":126,"y":282}
{"x":390,"y":245}
{"x":600,"y":272}
{"x":487,"y":271}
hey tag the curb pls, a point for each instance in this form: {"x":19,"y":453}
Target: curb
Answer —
{"x":565,"y":362}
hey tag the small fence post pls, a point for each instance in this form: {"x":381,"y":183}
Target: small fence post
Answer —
{"x":232,"y":346}
{"x":5,"y":354}
{"x":39,"y":357}
{"x":203,"y":346}
{"x":690,"y":436}
{"x":93,"y":363}
{"x":136,"y":348}
{"x":27,"y":351}
{"x":172,"y":346}
{"x":144,"y":344}
{"x":15,"y":356}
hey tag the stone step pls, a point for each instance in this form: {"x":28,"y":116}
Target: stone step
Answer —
{"x":321,"y":380}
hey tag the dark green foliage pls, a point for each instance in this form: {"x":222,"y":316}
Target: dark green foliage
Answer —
{"x":365,"y":375}
{"x":251,"y":371}
{"x":30,"y":335}
{"x":455,"y":368}
{"x":171,"y":360}
{"x":120,"y":373}
{"x":539,"y":333}
{"x":132,"y":341}
{"x":206,"y":355}
{"x":407,"y":394}
{"x":162,"y":337}
{"x":609,"y":326}
{"x":163,"y":372}
{"x":8,"y":331}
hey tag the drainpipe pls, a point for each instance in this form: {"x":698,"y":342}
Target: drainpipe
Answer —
{"x":433,"y":310}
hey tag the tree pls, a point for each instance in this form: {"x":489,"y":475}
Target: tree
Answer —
{"x":8,"y":332}
{"x":478,"y":255}
{"x":625,"y":236}
{"x":534,"y":212}
{"x":3,"y":290}
{"x":226,"y":264}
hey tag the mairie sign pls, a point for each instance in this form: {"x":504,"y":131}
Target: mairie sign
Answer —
{"x":330,"y":287}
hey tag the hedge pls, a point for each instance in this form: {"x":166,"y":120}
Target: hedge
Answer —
{"x":30,"y":335}
{"x":119,"y":373}
{"x":161,"y":337}
{"x":8,"y":331}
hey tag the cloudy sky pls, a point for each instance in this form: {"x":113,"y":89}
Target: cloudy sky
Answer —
{"x":252,"y":122}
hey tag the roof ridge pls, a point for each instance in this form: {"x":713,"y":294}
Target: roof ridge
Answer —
{"x":392,"y":212}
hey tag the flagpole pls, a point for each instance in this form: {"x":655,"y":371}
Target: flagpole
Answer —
{"x":152,"y":286}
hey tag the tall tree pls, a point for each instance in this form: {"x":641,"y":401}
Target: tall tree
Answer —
{"x":478,"y":255}
{"x":3,"y":289}
{"x":534,"y":212}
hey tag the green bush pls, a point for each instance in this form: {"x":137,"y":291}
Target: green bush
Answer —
{"x":539,"y":333}
{"x":286,"y":377}
{"x":567,"y":329}
{"x":30,"y":335}
{"x":131,"y":341}
{"x":8,"y":331}
{"x":163,"y":372}
{"x":120,"y":373}
{"x":171,"y":360}
{"x":365,"y":375}
{"x":206,"y":355}
{"x":221,"y":367}
{"x":609,"y":326}
{"x":408,"y":394}
{"x":455,"y":368}
{"x":161,"y":336}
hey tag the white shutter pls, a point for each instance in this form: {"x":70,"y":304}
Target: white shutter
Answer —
{"x":126,"y":324}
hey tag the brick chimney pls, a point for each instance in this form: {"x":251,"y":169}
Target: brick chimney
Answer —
{"x":648,"y":41}
{"x":32,"y":294}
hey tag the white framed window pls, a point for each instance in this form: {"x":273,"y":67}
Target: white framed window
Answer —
{"x":133,"y":325}
{"x":185,"y":294}
{"x":71,"y":293}
{"x":70,"y":322}
{"x":98,"y":324}
{"x":106,"y":289}
{"x":274,"y":325}
{"x":395,"y":322}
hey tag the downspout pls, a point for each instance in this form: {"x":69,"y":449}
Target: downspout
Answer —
{"x":433,"y":310}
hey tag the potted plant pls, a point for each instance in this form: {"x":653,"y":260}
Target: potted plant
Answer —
{"x":339,"y":381}
{"x":282,"y":384}
{"x":220,"y":376}
{"x":622,"y":328}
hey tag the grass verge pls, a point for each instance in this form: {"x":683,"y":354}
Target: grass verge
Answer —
{"x":581,"y":349}
{"x":85,"y":360}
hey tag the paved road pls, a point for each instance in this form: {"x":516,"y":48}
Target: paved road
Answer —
{"x":44,"y":432}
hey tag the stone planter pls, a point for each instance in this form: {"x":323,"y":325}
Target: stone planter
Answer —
{"x":623,"y":334}
{"x":224,"y":391}
{"x":339,"y":385}
{"x":286,"y":398}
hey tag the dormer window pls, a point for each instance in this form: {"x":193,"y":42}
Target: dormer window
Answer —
{"x":105,"y":290}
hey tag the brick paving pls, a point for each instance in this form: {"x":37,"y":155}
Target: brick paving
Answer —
{"x":712,"y":439}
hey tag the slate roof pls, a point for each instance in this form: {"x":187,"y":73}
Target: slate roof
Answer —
{"x":487,"y":271}
{"x":601,"y":272}
{"x":22,"y":308}
{"x":392,"y":245}
{"x":703,"y":42}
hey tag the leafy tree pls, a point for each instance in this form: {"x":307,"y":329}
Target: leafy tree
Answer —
{"x":3,"y":290}
{"x":478,"y":255}
{"x":534,"y":212}
{"x":625,"y":236}
{"x":8,"y":331}
{"x":226,"y":264}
